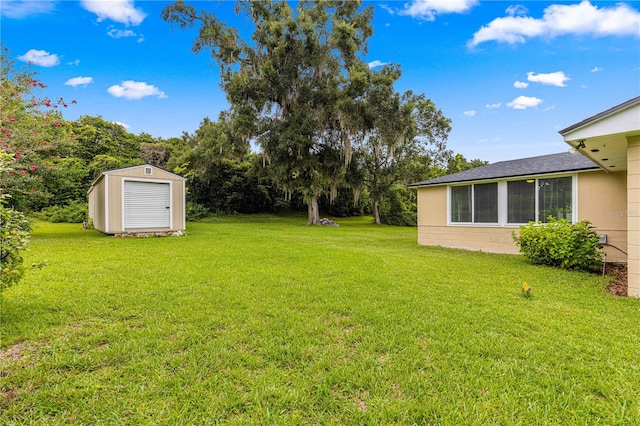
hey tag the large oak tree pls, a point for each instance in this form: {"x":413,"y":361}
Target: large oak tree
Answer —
{"x":285,"y":80}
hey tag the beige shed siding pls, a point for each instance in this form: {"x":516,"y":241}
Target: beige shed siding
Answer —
{"x":633,"y":214}
{"x":107,"y":194}
{"x":98,"y":205}
{"x":602,"y":200}
{"x":600,"y":197}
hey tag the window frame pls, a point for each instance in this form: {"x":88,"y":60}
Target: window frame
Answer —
{"x":503,"y":200}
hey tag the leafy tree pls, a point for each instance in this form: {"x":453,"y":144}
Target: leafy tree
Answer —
{"x":94,"y":136}
{"x":31,"y":127}
{"x":458,"y":163}
{"x":392,"y":130}
{"x":285,"y":80}
{"x":14,"y":232}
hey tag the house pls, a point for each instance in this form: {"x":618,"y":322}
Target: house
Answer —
{"x":138,"y":199}
{"x":598,"y":181}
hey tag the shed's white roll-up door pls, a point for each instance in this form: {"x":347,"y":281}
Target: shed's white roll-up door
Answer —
{"x":146,"y":205}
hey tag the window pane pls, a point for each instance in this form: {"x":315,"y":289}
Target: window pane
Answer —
{"x":554,"y":198}
{"x":485,"y":203}
{"x":461,"y":203}
{"x":521,"y":201}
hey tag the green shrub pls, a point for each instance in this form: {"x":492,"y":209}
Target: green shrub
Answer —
{"x":14,"y":235}
{"x":561,"y":244}
{"x":195,"y":211}
{"x":398,"y":207}
{"x":72,"y":213}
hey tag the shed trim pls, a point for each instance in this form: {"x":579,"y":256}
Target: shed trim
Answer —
{"x":106,"y":204}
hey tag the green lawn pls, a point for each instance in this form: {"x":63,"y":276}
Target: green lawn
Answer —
{"x":264,"y":321}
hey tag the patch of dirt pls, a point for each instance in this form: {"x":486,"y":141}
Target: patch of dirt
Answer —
{"x":361,"y":404}
{"x":8,"y":395}
{"x":14,"y":352}
{"x":618,"y":279}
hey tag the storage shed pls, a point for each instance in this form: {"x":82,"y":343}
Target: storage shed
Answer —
{"x":138,"y":199}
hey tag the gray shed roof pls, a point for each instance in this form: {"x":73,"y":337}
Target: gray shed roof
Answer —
{"x":533,"y":166}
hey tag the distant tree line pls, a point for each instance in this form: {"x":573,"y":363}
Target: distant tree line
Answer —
{"x":55,"y":162}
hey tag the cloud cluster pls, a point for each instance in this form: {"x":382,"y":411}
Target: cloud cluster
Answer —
{"x":135,"y":90}
{"x":79,"y":81}
{"x":120,"y":123}
{"x":18,"y":9}
{"x":551,"y":79}
{"x":469,"y":113}
{"x":524,"y":102}
{"x":559,"y":19}
{"x":520,"y":84}
{"x":116,"y":33}
{"x":428,"y":9}
{"x":40,"y":58}
{"x":122,"y":11}
{"x":376,"y":63}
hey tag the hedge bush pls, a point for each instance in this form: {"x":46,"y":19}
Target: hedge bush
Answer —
{"x":561,"y":244}
{"x":398,"y":207}
{"x":14,"y":236}
{"x":72,"y":213}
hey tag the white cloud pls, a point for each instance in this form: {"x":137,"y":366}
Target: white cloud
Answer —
{"x":520,"y":84}
{"x":584,"y":86}
{"x":551,"y":79}
{"x":428,"y":9}
{"x":496,"y":105}
{"x":78,"y":81}
{"x":470,"y":113}
{"x":76,"y":62}
{"x":376,"y":63}
{"x":119,"y":123}
{"x":122,"y":11}
{"x":559,"y":19}
{"x":524,"y":102}
{"x":18,"y":9}
{"x":135,"y":90}
{"x":41,"y":58}
{"x":116,"y":33}
{"x":516,"y":10}
{"x":596,"y":69}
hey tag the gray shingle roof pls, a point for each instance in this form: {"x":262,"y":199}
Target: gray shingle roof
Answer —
{"x":544,"y":164}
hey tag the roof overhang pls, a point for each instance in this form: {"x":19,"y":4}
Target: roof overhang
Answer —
{"x":603,"y":137}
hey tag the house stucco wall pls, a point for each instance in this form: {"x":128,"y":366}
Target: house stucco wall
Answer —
{"x":601,"y":199}
{"x":633,"y":214}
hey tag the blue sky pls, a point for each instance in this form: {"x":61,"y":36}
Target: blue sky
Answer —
{"x":509,"y":74}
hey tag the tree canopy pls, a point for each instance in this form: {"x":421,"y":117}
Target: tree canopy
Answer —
{"x":284,"y":81}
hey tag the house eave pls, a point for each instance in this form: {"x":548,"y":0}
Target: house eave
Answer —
{"x":505,"y":178}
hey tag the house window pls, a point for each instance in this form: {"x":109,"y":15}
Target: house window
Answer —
{"x":554,"y":198}
{"x":461,"y":203}
{"x":521,"y":201}
{"x":485,"y":203}
{"x":512,"y":202}
{"x":475,"y":203}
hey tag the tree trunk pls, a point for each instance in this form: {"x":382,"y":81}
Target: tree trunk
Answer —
{"x":314,"y":212}
{"x":376,"y":213}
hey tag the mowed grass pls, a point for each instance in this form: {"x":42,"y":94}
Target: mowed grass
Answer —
{"x":261,"y":320}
